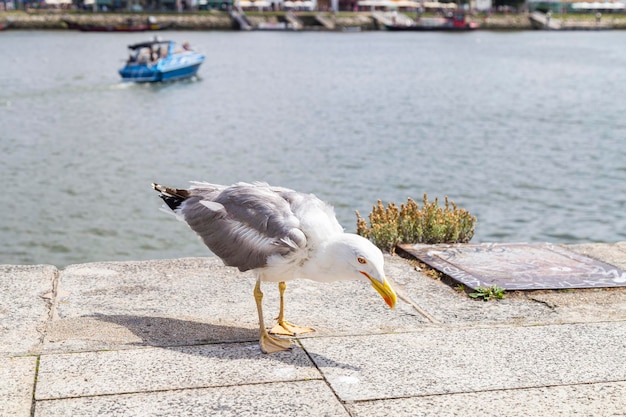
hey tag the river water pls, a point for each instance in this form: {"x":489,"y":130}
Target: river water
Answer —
{"x":526,"y":130}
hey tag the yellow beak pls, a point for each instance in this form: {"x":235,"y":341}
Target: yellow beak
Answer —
{"x":384,"y":290}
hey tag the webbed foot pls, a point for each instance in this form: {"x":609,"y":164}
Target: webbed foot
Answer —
{"x":284,"y":328}
{"x":270,"y":344}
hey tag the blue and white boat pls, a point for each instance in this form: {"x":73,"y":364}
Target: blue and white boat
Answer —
{"x":159,"y":60}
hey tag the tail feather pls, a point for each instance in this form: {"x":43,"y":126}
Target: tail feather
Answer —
{"x":173,"y":197}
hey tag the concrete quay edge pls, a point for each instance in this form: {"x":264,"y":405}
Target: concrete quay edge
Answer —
{"x":179,"y":337}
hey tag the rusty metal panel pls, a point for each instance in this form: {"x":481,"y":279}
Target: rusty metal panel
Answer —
{"x":518,"y":266}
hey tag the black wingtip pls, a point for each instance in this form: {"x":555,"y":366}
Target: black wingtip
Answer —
{"x":171,"y":196}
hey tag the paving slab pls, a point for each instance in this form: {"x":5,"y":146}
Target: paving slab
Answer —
{"x":24,"y":307}
{"x":605,"y":399}
{"x":156,"y":369}
{"x":179,"y":337}
{"x":16,"y":385}
{"x":295,"y":399}
{"x":612,"y":253}
{"x":446,"y":305}
{"x":436,"y":362}
{"x":111,"y":305}
{"x":589,"y":305}
{"x":518,"y":266}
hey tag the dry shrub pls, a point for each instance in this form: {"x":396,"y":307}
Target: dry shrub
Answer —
{"x":429,"y":224}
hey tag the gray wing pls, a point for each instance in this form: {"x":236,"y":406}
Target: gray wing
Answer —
{"x":243,"y":224}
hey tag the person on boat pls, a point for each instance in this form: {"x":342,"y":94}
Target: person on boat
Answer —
{"x":143,"y":56}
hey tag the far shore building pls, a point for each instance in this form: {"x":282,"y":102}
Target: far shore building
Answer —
{"x":554,"y":6}
{"x":577,"y":6}
{"x":188,"y":5}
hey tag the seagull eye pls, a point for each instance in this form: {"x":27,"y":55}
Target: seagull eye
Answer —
{"x":361,"y":260}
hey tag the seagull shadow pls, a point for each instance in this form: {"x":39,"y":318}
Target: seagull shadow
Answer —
{"x":184,"y":335}
{"x":171,"y":332}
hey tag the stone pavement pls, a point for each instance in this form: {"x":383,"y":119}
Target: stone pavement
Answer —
{"x":179,"y":338}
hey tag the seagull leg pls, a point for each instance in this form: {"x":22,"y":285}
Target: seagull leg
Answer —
{"x":268,"y":344}
{"x":284,"y":327}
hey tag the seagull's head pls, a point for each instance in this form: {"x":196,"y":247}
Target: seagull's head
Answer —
{"x":358,"y":258}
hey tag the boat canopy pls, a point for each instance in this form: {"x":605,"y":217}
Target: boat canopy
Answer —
{"x":148,"y":44}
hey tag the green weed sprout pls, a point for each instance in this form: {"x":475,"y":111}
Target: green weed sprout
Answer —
{"x":487,"y":293}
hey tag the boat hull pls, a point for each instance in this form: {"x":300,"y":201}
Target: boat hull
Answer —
{"x":454,"y":22}
{"x":428,"y":28}
{"x":181,"y":73}
{"x":126,"y":27}
{"x":146,"y":75}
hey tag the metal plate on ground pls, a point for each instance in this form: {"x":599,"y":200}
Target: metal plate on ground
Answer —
{"x":518,"y":266}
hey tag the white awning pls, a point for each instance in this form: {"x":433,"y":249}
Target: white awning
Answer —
{"x":406,"y":3}
{"x":598,"y":6}
{"x":439,"y":5}
{"x":257,"y":3}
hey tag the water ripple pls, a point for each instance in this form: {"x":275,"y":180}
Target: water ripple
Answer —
{"x":352,"y":119}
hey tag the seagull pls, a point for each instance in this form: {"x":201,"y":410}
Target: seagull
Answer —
{"x":280,"y":235}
